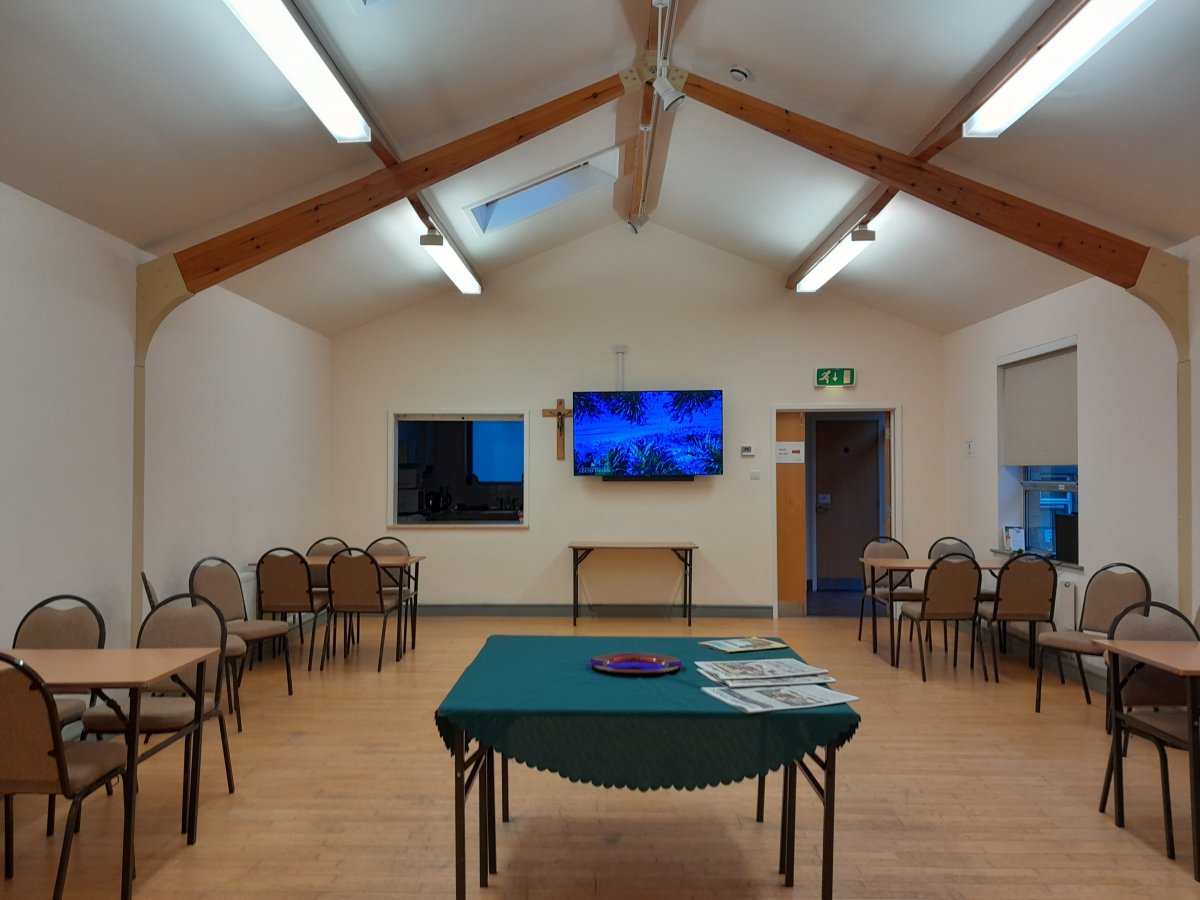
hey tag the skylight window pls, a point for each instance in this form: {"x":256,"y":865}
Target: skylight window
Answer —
{"x":599,"y":171}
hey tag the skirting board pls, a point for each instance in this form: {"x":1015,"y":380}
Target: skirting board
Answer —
{"x":597,"y":612}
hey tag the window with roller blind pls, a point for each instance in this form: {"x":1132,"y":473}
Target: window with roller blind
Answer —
{"x":1039,"y":456}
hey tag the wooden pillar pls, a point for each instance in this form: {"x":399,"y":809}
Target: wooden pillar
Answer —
{"x":1163,"y":286}
{"x":160,"y":289}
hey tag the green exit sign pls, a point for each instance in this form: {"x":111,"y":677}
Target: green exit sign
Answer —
{"x":835,"y":378}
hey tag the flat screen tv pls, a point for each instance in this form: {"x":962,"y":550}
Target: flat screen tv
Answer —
{"x":647,"y":435}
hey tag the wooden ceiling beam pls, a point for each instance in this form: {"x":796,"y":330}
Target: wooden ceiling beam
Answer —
{"x":949,"y":129}
{"x":211,"y":262}
{"x":1101,"y":253}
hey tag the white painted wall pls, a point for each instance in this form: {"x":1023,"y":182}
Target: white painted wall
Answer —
{"x":237,"y":423}
{"x":1191,"y":252}
{"x":693,"y":317}
{"x":1127,"y":422}
{"x":237,"y":436}
{"x":66,"y":370}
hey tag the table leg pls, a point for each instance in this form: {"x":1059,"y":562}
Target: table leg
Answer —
{"x":827,"y":825}
{"x":491,"y":809}
{"x":197,"y":743}
{"x":762,"y":796}
{"x":894,"y":659}
{"x":416,"y":590}
{"x":481,"y":786}
{"x":1114,"y":693}
{"x":575,"y":560}
{"x":132,"y":733}
{"x":503,"y":787}
{"x":1193,"y":708}
{"x":688,"y":584}
{"x":874,"y":627}
{"x":460,"y":816}
{"x":789,"y":873}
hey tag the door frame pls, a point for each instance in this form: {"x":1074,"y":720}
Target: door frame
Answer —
{"x":896,"y":498}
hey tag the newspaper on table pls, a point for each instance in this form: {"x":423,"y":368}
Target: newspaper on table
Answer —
{"x":820,"y":678}
{"x":773,"y":671}
{"x":769,"y":699}
{"x":744,"y":645}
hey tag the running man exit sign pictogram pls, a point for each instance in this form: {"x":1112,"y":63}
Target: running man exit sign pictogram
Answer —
{"x":834,"y":378}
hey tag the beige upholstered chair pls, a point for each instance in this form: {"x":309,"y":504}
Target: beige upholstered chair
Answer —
{"x":1111,"y":590}
{"x":184,"y":620}
{"x":321,"y":552}
{"x":950,"y":544}
{"x":1025,"y":591}
{"x":325,"y":547}
{"x":876,"y":590}
{"x":285,"y":588}
{"x":356,"y":587}
{"x":1153,"y":701}
{"x":951,"y":594}
{"x":217,"y":580}
{"x":396,"y":580}
{"x":939,"y":548}
{"x":62,"y":622}
{"x":37,"y":761}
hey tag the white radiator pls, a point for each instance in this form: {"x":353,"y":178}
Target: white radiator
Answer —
{"x":1066,"y":603}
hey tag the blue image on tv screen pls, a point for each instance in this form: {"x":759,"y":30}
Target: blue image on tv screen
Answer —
{"x":647,"y":434}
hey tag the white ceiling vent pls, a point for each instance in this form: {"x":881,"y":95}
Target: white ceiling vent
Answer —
{"x":550,"y":190}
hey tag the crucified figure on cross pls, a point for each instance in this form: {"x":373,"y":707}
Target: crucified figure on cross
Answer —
{"x":561,"y":412}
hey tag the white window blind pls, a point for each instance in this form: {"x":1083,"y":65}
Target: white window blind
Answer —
{"x":1039,"y":422}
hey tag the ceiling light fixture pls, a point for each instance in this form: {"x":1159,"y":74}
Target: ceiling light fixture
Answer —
{"x":670,"y":95}
{"x":835,"y":260}
{"x":271,"y":24}
{"x":1096,"y":23}
{"x":452,"y":264}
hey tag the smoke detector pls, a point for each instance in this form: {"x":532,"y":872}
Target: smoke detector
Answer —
{"x":739,"y":73}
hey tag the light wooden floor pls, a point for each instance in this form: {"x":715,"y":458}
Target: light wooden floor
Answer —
{"x":951,"y":789}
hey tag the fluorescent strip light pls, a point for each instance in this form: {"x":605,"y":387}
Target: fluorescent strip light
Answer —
{"x":1073,"y":45}
{"x":271,"y":24}
{"x":835,"y":260}
{"x":452,"y":264}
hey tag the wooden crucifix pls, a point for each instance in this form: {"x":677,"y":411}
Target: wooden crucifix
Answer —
{"x":561,"y":412}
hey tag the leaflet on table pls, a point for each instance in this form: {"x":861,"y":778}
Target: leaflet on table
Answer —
{"x":744,"y":645}
{"x":769,"y":699}
{"x":769,"y":682}
{"x":758,"y":669}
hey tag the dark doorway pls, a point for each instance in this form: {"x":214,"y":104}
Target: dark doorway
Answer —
{"x":846,"y":495}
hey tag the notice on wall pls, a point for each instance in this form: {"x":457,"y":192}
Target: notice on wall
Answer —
{"x":789,"y":451}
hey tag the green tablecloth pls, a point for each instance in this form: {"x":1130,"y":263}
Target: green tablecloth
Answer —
{"x":537,"y":701}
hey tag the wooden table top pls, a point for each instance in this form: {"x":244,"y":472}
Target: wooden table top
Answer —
{"x":632,"y":545}
{"x":1176,"y":657}
{"x":82,"y":670}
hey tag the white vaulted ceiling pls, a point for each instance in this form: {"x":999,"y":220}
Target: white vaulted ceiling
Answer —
{"x":164,"y":124}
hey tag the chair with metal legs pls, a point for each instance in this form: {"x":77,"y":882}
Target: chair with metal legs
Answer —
{"x":1110,"y":590}
{"x":1153,"y":702}
{"x":36,"y":760}
{"x":62,"y":622}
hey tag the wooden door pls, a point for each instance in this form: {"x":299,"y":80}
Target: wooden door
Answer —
{"x":846,"y":485}
{"x":791,"y":530}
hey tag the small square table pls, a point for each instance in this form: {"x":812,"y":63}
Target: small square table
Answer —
{"x":135,"y":670}
{"x":537,"y":700}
